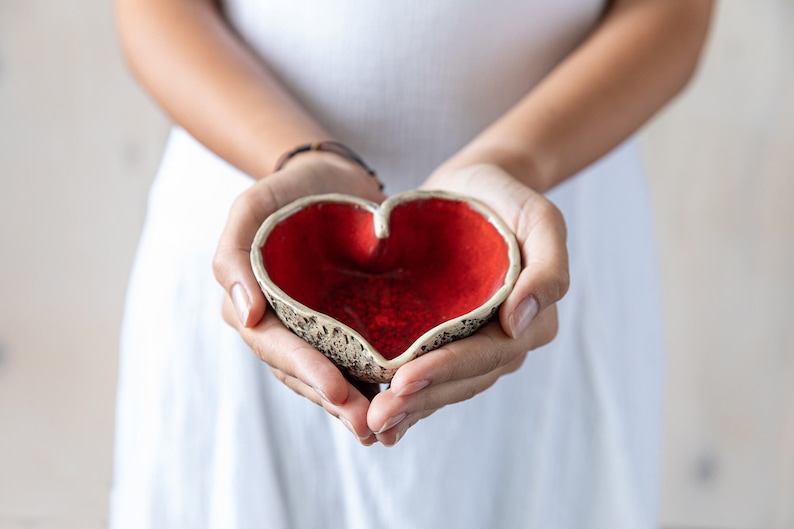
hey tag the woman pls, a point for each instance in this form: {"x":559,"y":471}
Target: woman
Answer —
{"x":526,"y":106}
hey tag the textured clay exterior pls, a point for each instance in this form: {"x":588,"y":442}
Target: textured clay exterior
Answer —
{"x":348,"y":350}
{"x":343,"y":345}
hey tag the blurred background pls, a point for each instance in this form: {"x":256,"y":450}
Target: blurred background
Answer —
{"x":79,"y":145}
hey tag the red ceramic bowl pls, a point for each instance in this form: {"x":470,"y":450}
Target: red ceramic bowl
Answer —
{"x":374,"y":286}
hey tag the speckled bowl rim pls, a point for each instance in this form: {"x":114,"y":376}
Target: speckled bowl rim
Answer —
{"x":381,"y":214}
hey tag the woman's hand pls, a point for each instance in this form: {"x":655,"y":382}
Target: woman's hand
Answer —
{"x":527,"y":318}
{"x":297,"y":364}
{"x":641,"y":54}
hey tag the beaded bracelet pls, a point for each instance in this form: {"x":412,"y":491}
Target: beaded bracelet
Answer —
{"x":328,"y":146}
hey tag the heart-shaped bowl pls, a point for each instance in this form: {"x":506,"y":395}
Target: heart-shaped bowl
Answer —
{"x":374,"y":286}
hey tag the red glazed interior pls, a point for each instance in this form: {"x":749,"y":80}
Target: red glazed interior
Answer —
{"x":442,"y":259}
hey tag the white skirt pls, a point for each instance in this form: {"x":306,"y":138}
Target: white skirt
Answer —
{"x":208,"y":438}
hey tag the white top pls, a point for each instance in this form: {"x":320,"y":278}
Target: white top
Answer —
{"x":208,"y":438}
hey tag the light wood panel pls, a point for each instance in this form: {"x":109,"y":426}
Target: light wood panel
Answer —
{"x":79,"y":144}
{"x":721,"y":161}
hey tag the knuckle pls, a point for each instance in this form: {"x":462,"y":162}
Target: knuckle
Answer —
{"x":228,"y":314}
{"x":545,"y":209}
{"x":549,"y":331}
{"x":553,"y":329}
{"x":562,"y":280}
{"x":479,"y":385}
{"x":490,"y":359}
{"x":557,"y":217}
{"x":244,"y":200}
{"x":260,"y":346}
{"x":291,"y":382}
{"x":516,"y":364}
{"x":450,"y":362}
{"x":526,"y":213}
{"x":483,"y":356}
{"x":487,"y":357}
{"x":541,"y":209}
{"x":256,"y":201}
{"x":471,"y":392}
{"x":496,"y":353}
{"x":219,"y":263}
{"x":548,"y":211}
{"x":279,"y":374}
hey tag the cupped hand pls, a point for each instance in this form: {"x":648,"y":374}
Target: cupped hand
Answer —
{"x":527,"y":318}
{"x":297,"y":364}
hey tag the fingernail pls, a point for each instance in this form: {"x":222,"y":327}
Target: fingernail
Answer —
{"x":323,"y":395}
{"x":242,"y":305}
{"x":392,"y":422}
{"x":349,"y":426}
{"x":396,"y":440}
{"x":368,"y":440}
{"x":412,"y":388}
{"x":523,"y":315}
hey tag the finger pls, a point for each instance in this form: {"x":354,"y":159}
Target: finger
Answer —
{"x":457,"y":371}
{"x":231,"y":264}
{"x":485,"y":351}
{"x":392,"y":413}
{"x":438,"y":395}
{"x":391,"y":409}
{"x":278,"y":347}
{"x":307,"y":372}
{"x":352,"y":414}
{"x":393,"y":435}
{"x":298,"y":386}
{"x":540,"y":230}
{"x":368,"y":389}
{"x":232,"y":261}
{"x":425,"y":403}
{"x":544,"y":280}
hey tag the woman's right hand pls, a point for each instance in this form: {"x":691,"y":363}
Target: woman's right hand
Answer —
{"x":296,"y":363}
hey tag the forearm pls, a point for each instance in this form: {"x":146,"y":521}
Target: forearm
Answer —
{"x":210,"y":83}
{"x":641,"y":55}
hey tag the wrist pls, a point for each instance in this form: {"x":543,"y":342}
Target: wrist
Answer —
{"x":320,"y":172}
{"x":519,"y":161}
{"x":329,"y":151}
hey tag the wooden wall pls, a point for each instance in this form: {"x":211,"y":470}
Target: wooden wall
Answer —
{"x":721,"y":161}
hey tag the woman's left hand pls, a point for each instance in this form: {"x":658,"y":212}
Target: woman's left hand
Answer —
{"x":527,"y":318}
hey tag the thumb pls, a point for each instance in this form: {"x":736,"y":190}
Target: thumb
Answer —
{"x":544,"y":280}
{"x":232,"y":261}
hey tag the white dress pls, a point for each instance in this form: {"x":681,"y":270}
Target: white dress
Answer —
{"x":208,"y":438}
